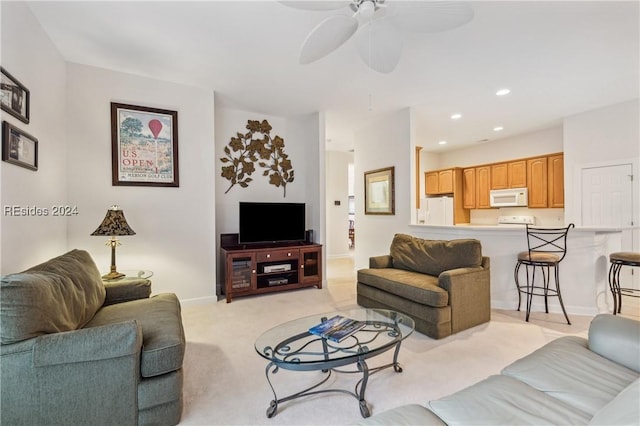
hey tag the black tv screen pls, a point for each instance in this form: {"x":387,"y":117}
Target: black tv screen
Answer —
{"x":271,"y":222}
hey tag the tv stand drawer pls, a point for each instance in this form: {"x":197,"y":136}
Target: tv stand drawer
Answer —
{"x":275,"y":255}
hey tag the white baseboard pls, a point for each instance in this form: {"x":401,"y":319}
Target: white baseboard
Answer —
{"x":199,"y":301}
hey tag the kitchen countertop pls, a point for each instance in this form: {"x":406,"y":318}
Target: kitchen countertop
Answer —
{"x":480,"y":227}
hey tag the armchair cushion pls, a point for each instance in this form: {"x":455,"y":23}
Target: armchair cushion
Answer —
{"x":420,"y":288}
{"x":62,"y":294}
{"x":433,"y":257}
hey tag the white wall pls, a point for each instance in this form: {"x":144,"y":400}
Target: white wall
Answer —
{"x":594,"y":137}
{"x":337,"y":189}
{"x":603,"y":137}
{"x":174,"y":227}
{"x":384,"y":143}
{"x":526,"y":145}
{"x":29,"y":55}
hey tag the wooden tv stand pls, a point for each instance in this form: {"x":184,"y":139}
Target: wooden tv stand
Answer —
{"x":264,"y":268}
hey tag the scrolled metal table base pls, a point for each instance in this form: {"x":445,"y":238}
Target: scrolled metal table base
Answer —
{"x":358,"y":393}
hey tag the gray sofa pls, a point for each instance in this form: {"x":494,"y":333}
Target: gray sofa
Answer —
{"x":569,"y":381}
{"x":445,"y":286}
{"x":75,"y":351}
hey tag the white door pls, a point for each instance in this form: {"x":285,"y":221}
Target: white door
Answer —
{"x":607,"y":200}
{"x":607,"y":196}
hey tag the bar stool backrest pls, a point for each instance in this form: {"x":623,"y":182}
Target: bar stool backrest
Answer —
{"x":548,"y":240}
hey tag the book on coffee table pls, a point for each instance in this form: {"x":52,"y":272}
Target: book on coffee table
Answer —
{"x":336,"y":328}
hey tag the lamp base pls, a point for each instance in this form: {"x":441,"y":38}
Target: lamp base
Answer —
{"x":112,"y":275}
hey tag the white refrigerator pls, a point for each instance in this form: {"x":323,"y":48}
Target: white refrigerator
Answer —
{"x":437,"y":210}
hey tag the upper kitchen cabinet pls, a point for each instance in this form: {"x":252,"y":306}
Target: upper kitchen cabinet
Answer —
{"x":509,"y":175}
{"x":469,"y":188}
{"x":537,"y":176}
{"x":555,"y":165}
{"x":439,"y":182}
{"x":483,"y":185}
{"x":517,"y":174}
{"x":499,"y":176}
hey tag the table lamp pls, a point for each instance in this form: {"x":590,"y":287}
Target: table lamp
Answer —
{"x":113,"y":225}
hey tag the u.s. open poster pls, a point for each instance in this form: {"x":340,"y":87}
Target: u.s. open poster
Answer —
{"x":144,"y":146}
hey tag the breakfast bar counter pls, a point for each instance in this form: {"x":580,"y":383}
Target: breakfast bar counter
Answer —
{"x":583,"y":272}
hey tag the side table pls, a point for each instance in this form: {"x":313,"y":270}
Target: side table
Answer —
{"x":133,"y":286}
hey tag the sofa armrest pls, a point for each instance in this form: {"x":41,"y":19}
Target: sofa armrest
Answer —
{"x":86,"y":376}
{"x":616,"y":338}
{"x":379,"y":262}
{"x":469,"y":296}
{"x":127,"y":290}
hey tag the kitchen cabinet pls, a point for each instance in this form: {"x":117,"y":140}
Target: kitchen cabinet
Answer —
{"x":469,"y":188}
{"x":439,"y":182}
{"x":483,"y":185}
{"x":499,"y":176}
{"x":537,"y":176}
{"x":512,"y":174}
{"x":431,"y":183}
{"x":555,"y":195}
{"x":517,"y":174}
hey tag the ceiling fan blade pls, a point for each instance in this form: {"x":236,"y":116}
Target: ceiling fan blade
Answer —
{"x":316,"y":5}
{"x":326,"y":37}
{"x":429,"y":16}
{"x":379,"y":45}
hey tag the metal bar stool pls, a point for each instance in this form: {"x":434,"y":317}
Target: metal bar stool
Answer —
{"x":618,"y":260}
{"x":546,"y":249}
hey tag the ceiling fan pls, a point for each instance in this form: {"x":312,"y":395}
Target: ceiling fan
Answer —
{"x":378,"y":24}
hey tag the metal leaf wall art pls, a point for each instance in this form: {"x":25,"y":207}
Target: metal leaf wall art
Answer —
{"x":256,"y":146}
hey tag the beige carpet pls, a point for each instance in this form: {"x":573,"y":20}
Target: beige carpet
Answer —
{"x":225,"y":380}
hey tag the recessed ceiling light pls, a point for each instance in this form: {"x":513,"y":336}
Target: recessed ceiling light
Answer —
{"x":497,"y":128}
{"x":442,"y":143}
{"x":456,"y":116}
{"x":503,"y":92}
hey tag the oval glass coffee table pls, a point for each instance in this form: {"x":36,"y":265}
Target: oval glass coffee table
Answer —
{"x":292,"y":346}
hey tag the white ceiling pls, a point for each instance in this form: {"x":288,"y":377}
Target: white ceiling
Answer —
{"x":558,"y":58}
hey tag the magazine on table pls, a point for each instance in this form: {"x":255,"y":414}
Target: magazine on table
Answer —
{"x":337,"y":328}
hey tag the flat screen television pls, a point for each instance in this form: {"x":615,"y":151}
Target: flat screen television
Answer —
{"x":271,"y":222}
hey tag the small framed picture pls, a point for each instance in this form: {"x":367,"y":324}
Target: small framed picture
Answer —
{"x":379,"y":191}
{"x":144,"y":146}
{"x":14,"y":97}
{"x":18,"y":147}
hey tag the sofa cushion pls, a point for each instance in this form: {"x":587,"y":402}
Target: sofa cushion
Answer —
{"x":62,"y":294}
{"x":420,"y":288}
{"x":434,"y":256}
{"x":502,"y":400}
{"x":624,"y":410}
{"x":163,"y":341}
{"x":566,"y":370}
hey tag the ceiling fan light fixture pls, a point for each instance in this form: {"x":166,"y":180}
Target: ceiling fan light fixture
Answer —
{"x":367,"y":9}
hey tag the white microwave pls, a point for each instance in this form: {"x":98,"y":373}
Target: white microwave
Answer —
{"x":513,"y":197}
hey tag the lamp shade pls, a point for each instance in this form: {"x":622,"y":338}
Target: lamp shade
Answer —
{"x":114,"y":224}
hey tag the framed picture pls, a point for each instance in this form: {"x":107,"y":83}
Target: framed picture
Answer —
{"x":18,"y":147}
{"x":144,"y":146}
{"x":379,"y":191}
{"x":15,"y":97}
